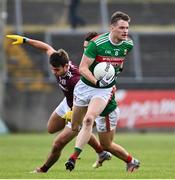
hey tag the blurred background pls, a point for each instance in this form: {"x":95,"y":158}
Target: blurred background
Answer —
{"x":146,"y":87}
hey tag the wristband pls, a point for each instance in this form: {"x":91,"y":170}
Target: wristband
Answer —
{"x":25,"y":40}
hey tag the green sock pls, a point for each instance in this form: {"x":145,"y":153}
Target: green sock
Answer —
{"x":76,"y":153}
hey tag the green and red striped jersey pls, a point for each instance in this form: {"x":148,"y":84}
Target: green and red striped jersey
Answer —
{"x":101,"y":49}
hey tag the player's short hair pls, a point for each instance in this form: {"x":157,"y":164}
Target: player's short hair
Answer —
{"x":90,"y":35}
{"x":118,"y":15}
{"x":59,"y":58}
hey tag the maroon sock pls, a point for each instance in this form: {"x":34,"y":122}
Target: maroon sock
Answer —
{"x":44,"y":168}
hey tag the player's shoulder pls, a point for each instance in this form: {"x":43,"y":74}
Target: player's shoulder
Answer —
{"x":100,"y":39}
{"x":72,"y":65}
{"x":129,"y":42}
{"x":74,"y":68}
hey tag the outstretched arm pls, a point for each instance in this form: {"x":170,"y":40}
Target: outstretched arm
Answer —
{"x":35,"y":43}
{"x":42,"y":46}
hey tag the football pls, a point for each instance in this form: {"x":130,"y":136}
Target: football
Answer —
{"x":103,"y":68}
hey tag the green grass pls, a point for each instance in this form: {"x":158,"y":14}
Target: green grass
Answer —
{"x":21,"y":153}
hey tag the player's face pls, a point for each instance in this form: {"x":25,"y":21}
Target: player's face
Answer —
{"x":119,"y":30}
{"x":59,"y":71}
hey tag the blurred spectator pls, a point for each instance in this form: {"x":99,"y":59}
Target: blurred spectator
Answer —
{"x":74,"y":19}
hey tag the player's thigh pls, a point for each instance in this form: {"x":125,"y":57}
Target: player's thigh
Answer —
{"x":98,"y":100}
{"x":65,"y":136}
{"x":96,"y":106}
{"x":77,"y":116}
{"x":55,"y":123}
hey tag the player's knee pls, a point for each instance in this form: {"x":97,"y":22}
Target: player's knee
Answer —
{"x":89,"y":120}
{"x":50,"y":129}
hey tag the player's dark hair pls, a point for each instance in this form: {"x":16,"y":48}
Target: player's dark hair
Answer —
{"x":90,"y":35}
{"x":59,"y":58}
{"x":118,"y":15}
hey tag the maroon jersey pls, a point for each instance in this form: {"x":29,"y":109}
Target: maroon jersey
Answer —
{"x":68,"y":82}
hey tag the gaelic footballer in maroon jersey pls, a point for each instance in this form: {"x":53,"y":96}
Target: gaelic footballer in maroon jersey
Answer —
{"x":68,"y":81}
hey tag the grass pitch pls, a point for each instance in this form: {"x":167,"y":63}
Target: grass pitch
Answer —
{"x":21,"y":153}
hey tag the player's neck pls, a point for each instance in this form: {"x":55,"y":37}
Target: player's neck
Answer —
{"x":65,"y":74}
{"x":114,"y":40}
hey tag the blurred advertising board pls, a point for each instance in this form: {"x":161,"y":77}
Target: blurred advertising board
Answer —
{"x":146,"y":108}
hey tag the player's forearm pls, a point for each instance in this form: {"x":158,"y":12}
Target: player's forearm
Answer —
{"x":85,"y":72}
{"x":18,"y":40}
{"x":84,"y":69}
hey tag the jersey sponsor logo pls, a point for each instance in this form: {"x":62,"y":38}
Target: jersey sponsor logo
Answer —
{"x":113,"y":60}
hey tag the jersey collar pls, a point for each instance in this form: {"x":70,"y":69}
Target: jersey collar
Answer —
{"x":66,"y":72}
{"x":115,"y":44}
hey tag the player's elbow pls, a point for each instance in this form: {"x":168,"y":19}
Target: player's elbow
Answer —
{"x":51,"y":131}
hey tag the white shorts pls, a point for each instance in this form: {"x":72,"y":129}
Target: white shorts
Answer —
{"x":62,"y":109}
{"x":84,"y":93}
{"x":103,"y":124}
{"x":108,"y":123}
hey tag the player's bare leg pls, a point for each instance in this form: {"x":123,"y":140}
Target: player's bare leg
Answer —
{"x":88,"y":121}
{"x":55,"y":123}
{"x":106,"y":140}
{"x":77,"y":117}
{"x":59,"y":143}
{"x":102,"y":155}
{"x":86,"y":130}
